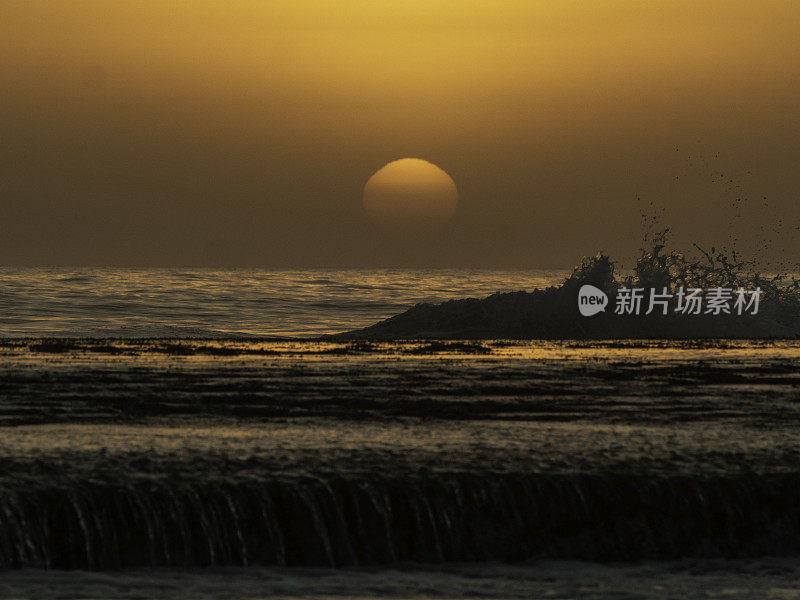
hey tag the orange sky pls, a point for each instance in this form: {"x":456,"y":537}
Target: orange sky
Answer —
{"x":241,"y":133}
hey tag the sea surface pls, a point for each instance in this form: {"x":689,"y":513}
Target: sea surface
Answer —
{"x":172,"y":434}
{"x":101,"y":302}
{"x":165,"y":468}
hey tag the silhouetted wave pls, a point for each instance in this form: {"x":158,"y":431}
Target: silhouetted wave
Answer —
{"x":552,"y":312}
{"x":383,"y":520}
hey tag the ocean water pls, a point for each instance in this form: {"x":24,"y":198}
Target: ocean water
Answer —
{"x":98,"y":302}
{"x":194,"y":444}
{"x":277,"y":469}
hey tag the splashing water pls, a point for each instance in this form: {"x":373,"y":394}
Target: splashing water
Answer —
{"x":552,"y":312}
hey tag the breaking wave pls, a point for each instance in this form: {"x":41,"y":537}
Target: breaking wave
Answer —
{"x":380,"y":520}
{"x":552,"y":312}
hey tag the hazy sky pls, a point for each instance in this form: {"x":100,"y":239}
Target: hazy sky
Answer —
{"x":241,"y":133}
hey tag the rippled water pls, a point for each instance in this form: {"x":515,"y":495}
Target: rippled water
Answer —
{"x":199,"y":454}
{"x":225,"y":468}
{"x":561,"y":580}
{"x":213,"y":303}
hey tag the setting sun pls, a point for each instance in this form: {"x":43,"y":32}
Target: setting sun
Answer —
{"x":410,"y":192}
{"x":375,"y":299}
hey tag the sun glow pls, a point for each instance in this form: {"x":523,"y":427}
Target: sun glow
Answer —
{"x":410,"y":192}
